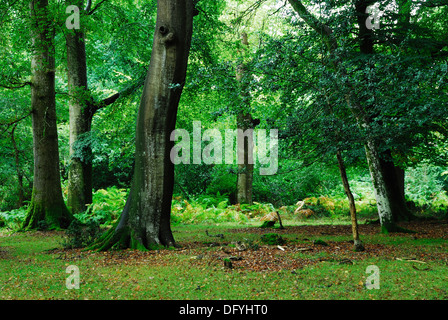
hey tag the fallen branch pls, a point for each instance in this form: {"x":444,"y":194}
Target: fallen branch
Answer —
{"x":219,"y":235}
{"x":304,"y":249}
{"x":410,"y":260}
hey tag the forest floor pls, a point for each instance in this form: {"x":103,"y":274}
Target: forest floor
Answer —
{"x":312,"y":262}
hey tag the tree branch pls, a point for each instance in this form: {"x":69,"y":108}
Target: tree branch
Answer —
{"x":88,"y":6}
{"x":94,"y":106}
{"x":17,"y":86}
{"x":313,"y":22}
{"x":96,"y":7}
{"x":9,"y":124}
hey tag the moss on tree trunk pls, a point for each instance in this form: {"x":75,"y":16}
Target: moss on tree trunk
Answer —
{"x":54,"y":215}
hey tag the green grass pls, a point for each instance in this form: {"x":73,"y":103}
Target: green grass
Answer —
{"x":33,"y":266}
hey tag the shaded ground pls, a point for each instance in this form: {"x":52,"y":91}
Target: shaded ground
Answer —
{"x":300,"y":248}
{"x":424,"y":229}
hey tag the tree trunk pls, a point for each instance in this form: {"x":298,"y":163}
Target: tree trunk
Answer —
{"x":80,"y":172}
{"x":246,"y":166}
{"x":21,"y":196}
{"x":82,"y":109}
{"x":145,"y":220}
{"x":394,"y":180}
{"x":357,"y":244}
{"x":244,"y":121}
{"x":392,"y":190}
{"x":382,"y":196}
{"x":46,"y":202}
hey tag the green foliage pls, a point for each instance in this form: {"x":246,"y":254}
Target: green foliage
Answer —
{"x":292,"y":82}
{"x":425,"y":187}
{"x":106,"y":207}
{"x":206,"y":209}
{"x":293,"y":183}
{"x":223,"y":181}
{"x":194,"y":177}
{"x":13,"y":219}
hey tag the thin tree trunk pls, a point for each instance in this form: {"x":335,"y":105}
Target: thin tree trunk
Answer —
{"x":246,"y":167}
{"x":47,"y":203}
{"x":21,"y":196}
{"x":145,"y":220}
{"x":244,"y":121}
{"x":357,"y":244}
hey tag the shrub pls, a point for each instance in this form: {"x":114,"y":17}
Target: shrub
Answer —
{"x":424,"y":183}
{"x":106,"y":207}
{"x":13,"y":219}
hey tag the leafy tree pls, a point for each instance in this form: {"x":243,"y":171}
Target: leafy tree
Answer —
{"x":347,"y":79}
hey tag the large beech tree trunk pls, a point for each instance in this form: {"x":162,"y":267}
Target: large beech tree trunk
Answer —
{"x":80,"y":173}
{"x":47,"y":203}
{"x":383,"y":201}
{"x":394,"y":179}
{"x":145,"y":220}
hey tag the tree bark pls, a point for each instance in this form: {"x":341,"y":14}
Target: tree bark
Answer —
{"x":244,"y":121}
{"x":245,"y":174}
{"x":46,"y":202}
{"x":394,"y":180}
{"x":80,"y":171}
{"x":145,"y":220}
{"x":357,"y":244}
{"x":383,"y":201}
